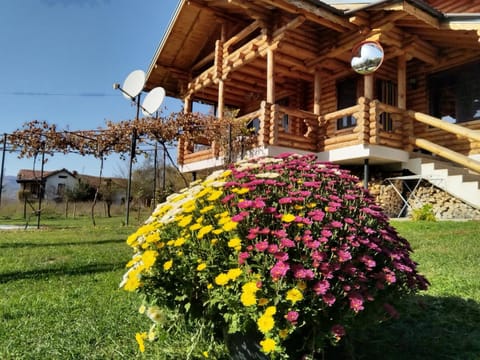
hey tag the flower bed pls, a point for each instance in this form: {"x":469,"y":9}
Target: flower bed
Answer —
{"x":287,"y":248}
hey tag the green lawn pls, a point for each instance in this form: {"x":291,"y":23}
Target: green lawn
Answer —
{"x":59,"y":296}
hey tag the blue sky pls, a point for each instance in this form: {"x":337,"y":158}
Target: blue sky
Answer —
{"x":59,"y":59}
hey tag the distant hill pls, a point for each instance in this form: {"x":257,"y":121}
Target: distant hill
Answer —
{"x":10,"y":188}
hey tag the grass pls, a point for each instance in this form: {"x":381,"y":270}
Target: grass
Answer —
{"x":59,"y":296}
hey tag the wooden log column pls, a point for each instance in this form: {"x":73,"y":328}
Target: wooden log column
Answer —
{"x":270,"y":76}
{"x":407,"y":122}
{"x":317,"y":109}
{"x":368,"y":86}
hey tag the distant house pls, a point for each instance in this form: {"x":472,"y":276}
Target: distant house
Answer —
{"x":56,"y":183}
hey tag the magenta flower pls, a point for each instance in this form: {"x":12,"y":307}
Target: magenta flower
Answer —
{"x":344,"y":255}
{"x":338,"y":331}
{"x":321,"y":287}
{"x":328,"y":299}
{"x":292,"y":316}
{"x":356,"y":302}
{"x":262,"y":245}
{"x":279,"y":270}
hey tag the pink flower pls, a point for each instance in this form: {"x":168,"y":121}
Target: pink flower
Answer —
{"x":292,"y":316}
{"x":328,"y":299}
{"x":285,"y":200}
{"x":279,"y":270}
{"x":287,"y":243}
{"x":338,"y":331}
{"x":272,"y":248}
{"x":245,"y":204}
{"x":281,"y":256}
{"x":326,"y":233}
{"x":262,"y":245}
{"x":321,"y":287}
{"x":343,"y":255}
{"x":316,"y":215}
{"x":336,"y":224}
{"x":242,"y":257}
{"x":356,"y":302}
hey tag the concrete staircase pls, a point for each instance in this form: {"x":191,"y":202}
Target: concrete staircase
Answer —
{"x":455,"y":180}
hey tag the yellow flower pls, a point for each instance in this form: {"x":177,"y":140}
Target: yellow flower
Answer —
{"x":167,"y":265}
{"x":265,"y":323}
{"x":215,"y":195}
{"x":134,"y":260}
{"x":140,"y":337}
{"x":209,"y":286}
{"x":283,"y":333}
{"x":186,"y":220}
{"x":207,"y":209}
{"x":205,"y":354}
{"x":250,"y":286}
{"x":271,"y":310}
{"x":268,"y":345}
{"x":213,"y":241}
{"x":235,"y":243}
{"x":148,"y":258}
{"x":222,"y":279}
{"x":262,"y":301}
{"x":241,"y":190}
{"x":201,"y":266}
{"x":248,"y":298}
{"x":179,"y":242}
{"x":294,"y":295}
{"x":133,"y":280}
{"x":234,"y":273}
{"x":217,"y":231}
{"x":204,"y":231}
{"x":152,"y":237}
{"x":288,"y":218}
{"x":230,"y":225}
{"x":195,"y":227}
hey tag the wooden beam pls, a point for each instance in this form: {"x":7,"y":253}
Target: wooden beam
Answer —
{"x":242,"y":34}
{"x":460,"y":25}
{"x":402,"y":82}
{"x":416,"y":13}
{"x":312,"y":13}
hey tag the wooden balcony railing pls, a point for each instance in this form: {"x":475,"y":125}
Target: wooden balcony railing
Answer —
{"x":310,"y":132}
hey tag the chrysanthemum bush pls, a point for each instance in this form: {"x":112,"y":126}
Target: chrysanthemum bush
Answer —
{"x":287,"y":248}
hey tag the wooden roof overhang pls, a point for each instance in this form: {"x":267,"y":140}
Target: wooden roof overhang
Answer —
{"x":305,"y":35}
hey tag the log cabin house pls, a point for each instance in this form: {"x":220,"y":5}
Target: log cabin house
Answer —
{"x":285,"y":67}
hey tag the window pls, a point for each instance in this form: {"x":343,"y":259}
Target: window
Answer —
{"x":346,"y":97}
{"x":455,"y":93}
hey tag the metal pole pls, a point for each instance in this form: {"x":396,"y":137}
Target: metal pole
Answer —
{"x":155,"y":175}
{"x":132,"y":157}
{"x":3,"y":165}
{"x":164,"y":177}
{"x":365,"y":174}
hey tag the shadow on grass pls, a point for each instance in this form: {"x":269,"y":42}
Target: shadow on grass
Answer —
{"x":63,"y":271}
{"x":429,"y":328}
{"x":40,"y":244}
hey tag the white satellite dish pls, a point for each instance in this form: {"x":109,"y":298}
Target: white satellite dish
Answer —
{"x":153,"y":100}
{"x":133,"y":84}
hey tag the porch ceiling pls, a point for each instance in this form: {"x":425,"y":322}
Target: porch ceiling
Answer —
{"x":322,"y":39}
